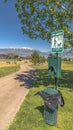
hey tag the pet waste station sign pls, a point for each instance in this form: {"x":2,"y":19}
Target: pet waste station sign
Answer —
{"x":57,"y":39}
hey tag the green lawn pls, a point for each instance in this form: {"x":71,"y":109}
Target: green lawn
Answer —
{"x":8,"y":70}
{"x":30,"y":115}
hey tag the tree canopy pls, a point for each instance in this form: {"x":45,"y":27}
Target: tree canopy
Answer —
{"x":40,"y":17}
{"x":36,"y":58}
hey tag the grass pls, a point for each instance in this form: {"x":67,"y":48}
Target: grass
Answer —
{"x":30,"y":115}
{"x":67,"y":65}
{"x":8,"y":70}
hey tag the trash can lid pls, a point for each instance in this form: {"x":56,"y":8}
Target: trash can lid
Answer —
{"x":51,"y":91}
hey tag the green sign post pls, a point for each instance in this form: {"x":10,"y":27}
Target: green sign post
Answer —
{"x":57,"y":39}
{"x":51,"y":96}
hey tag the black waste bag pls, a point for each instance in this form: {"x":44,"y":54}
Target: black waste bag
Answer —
{"x":52,"y":101}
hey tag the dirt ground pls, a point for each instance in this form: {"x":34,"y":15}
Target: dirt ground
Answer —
{"x":13,"y":89}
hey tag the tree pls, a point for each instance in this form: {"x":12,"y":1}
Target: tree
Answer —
{"x":12,"y":56}
{"x":42,"y":59}
{"x":67,"y":45}
{"x":40,"y":17}
{"x":35,"y":57}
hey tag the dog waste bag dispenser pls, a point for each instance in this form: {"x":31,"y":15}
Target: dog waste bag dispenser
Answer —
{"x":54,"y":66}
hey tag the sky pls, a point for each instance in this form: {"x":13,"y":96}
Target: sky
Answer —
{"x":10,"y":30}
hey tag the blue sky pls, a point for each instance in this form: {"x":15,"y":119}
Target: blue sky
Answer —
{"x":10,"y":30}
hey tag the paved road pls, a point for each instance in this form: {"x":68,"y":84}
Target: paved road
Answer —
{"x":13,"y":89}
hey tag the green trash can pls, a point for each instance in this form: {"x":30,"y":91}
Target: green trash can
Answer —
{"x":50,"y":116}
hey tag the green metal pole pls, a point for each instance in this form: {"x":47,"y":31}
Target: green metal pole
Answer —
{"x":56,"y":83}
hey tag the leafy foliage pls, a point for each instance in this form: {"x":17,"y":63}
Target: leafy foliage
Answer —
{"x":36,"y":58}
{"x":42,"y":59}
{"x":12,"y":56}
{"x":67,"y":45}
{"x":39,"y":18}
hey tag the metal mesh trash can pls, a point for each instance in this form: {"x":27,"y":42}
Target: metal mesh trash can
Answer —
{"x":50,"y":116}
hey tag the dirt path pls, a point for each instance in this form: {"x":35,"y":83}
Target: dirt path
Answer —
{"x":13,"y":89}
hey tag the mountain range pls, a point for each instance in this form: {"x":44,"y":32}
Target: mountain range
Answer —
{"x":67,"y":53}
{"x":24,"y":51}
